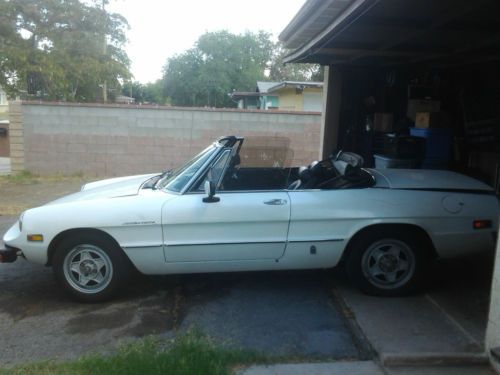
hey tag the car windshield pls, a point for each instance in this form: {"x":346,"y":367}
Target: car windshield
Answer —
{"x":177,"y":180}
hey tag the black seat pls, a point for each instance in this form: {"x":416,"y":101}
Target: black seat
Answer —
{"x":308,"y":176}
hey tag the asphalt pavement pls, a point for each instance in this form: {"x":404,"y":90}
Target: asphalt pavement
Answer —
{"x":287,"y":314}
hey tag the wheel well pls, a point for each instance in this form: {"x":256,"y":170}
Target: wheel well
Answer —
{"x":61,"y":236}
{"x":409,"y":228}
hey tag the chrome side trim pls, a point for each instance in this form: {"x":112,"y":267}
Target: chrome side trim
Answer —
{"x":141,"y":247}
{"x":226,"y":243}
{"x":327,"y":240}
{"x":253,"y":242}
{"x":232,"y":243}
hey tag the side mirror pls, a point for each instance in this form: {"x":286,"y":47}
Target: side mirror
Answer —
{"x":210,"y":192}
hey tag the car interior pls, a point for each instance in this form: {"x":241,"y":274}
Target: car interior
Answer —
{"x":342,"y":170}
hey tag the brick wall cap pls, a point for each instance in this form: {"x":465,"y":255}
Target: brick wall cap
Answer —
{"x":166,"y":107}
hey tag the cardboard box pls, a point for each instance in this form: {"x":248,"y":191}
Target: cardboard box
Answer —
{"x":382,"y":122}
{"x":425,"y":120}
{"x":419,"y":105}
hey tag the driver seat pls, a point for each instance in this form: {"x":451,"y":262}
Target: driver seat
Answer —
{"x":308,"y":176}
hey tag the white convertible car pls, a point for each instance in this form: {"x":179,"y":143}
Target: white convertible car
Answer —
{"x":216,"y":215}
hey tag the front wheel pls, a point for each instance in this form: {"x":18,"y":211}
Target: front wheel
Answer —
{"x":90,"y":268}
{"x":385,"y":263}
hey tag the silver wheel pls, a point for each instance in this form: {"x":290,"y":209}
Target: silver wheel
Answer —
{"x":388,"y":264}
{"x":87,"y":269}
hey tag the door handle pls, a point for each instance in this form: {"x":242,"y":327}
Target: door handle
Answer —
{"x":276,"y":202}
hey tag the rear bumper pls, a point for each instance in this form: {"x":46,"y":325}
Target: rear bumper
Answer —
{"x":9,"y":254}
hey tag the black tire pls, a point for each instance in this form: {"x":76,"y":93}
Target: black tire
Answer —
{"x":90,"y":267}
{"x":387,"y":263}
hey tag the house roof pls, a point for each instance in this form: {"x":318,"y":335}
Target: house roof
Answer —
{"x":294,"y":84}
{"x":263,"y":86}
{"x":311,"y":19}
{"x":237,"y":95}
{"x":391,"y":32}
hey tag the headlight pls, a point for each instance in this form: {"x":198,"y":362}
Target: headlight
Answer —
{"x":21,"y":222}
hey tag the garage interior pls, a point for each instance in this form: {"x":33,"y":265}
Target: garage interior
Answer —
{"x":410,"y":84}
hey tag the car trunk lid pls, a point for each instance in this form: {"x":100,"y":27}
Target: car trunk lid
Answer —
{"x":419,"y":179}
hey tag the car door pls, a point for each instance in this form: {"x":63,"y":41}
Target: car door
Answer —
{"x":242,"y":226}
{"x":239,"y":226}
{"x":319,"y":224}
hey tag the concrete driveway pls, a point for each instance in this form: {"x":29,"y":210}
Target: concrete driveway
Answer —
{"x":445,"y":324}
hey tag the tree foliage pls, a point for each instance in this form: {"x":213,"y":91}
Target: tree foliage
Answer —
{"x":279,"y":71}
{"x":61,"y":49}
{"x":221,"y":62}
{"x":145,"y":93}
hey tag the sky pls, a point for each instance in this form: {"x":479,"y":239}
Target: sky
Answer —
{"x":162,"y":28}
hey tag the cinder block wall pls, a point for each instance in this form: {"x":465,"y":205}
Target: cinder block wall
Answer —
{"x":113,"y":140}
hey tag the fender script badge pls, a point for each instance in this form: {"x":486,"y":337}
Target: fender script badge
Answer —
{"x":139,"y":223}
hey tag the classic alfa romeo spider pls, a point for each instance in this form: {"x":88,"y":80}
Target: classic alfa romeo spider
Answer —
{"x":217,"y":214}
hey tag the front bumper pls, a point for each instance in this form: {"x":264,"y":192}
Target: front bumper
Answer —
{"x":9,"y":254}
{"x":35,"y":252}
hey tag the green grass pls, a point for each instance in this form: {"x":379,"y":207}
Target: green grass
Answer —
{"x":23,"y":177}
{"x":28,"y":178}
{"x":191,"y":354}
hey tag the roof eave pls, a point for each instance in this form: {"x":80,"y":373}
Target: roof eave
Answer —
{"x":355,"y":10}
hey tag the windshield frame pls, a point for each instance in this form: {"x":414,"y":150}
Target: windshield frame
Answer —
{"x":214,"y":148}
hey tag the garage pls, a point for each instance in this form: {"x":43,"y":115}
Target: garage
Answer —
{"x":413,"y":84}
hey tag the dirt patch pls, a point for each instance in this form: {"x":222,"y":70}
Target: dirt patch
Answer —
{"x":19,"y":193}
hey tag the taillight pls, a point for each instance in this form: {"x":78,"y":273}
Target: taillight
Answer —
{"x":481,"y":224}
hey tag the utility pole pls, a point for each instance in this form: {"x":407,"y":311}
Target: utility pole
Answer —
{"x":104,"y":50}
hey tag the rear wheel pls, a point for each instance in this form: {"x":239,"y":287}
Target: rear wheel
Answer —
{"x":90,"y":267}
{"x":386,"y":263}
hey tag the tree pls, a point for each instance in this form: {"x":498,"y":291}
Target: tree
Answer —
{"x":278,"y":71}
{"x":219,"y":63}
{"x":145,"y":93}
{"x":154,"y":93}
{"x":61,"y":49}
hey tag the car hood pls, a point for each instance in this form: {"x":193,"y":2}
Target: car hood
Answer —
{"x":421,"y":179}
{"x":109,"y":188}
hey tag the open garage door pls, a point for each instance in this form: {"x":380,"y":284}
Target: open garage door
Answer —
{"x":313,"y":101}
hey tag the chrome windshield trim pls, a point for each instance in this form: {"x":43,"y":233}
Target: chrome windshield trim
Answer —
{"x":217,"y":147}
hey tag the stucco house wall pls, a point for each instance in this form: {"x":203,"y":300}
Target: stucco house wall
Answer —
{"x":291,"y":100}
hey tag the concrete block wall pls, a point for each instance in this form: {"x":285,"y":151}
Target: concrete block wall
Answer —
{"x":113,"y":140}
{"x":16,"y":136}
